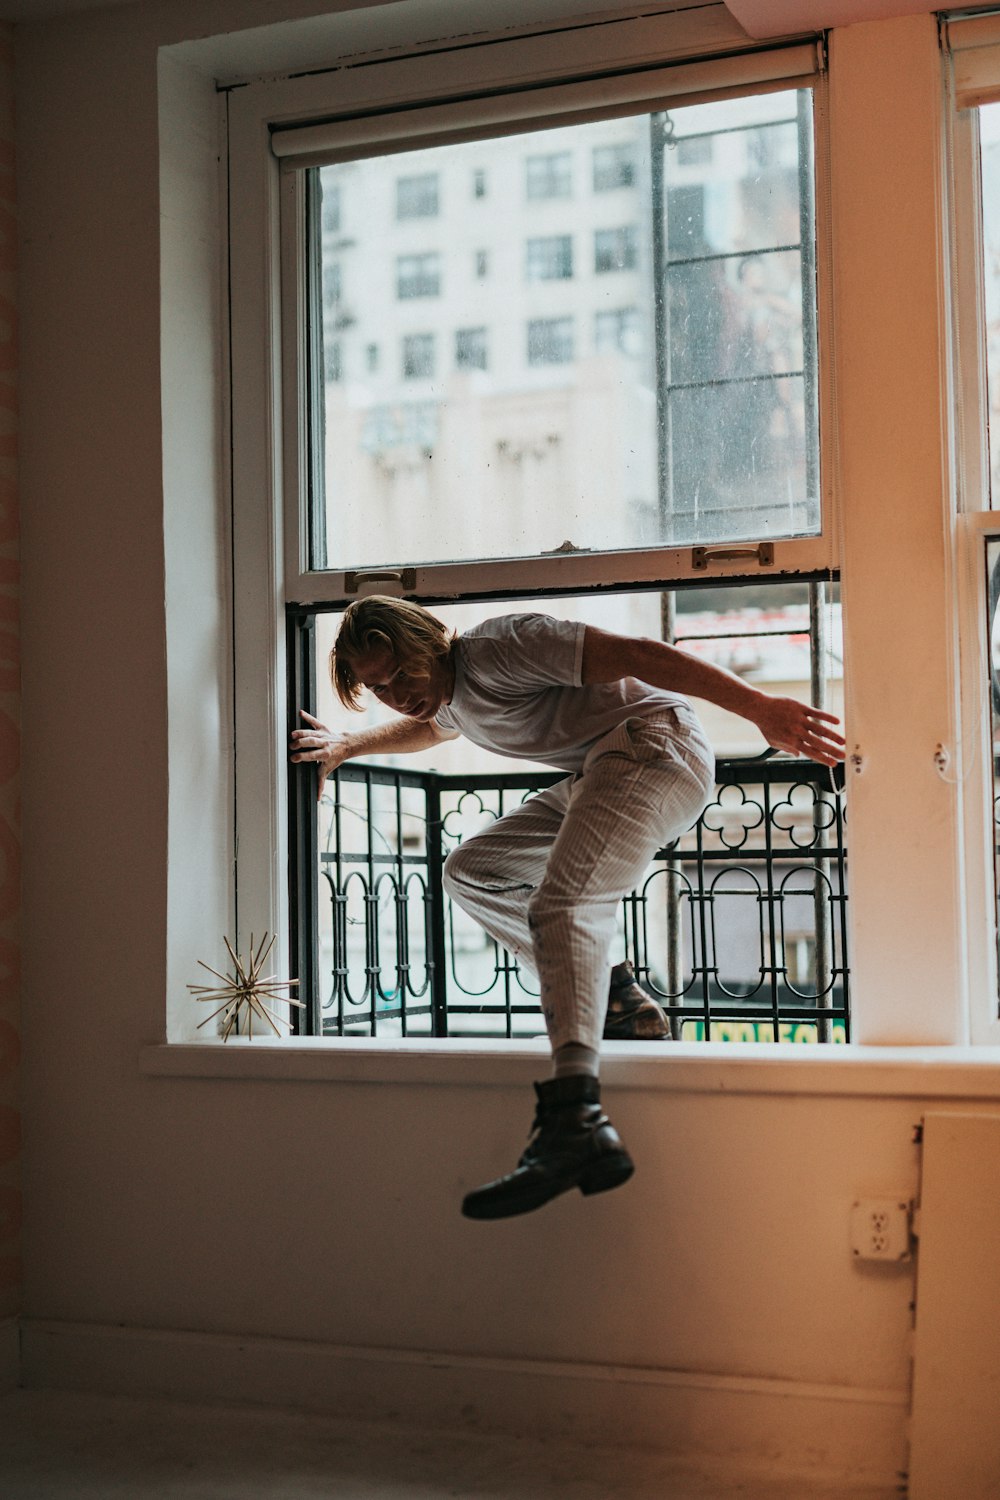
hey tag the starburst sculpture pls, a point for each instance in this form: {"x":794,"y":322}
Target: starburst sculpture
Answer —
{"x":246,"y":991}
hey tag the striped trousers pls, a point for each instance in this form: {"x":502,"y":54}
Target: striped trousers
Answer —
{"x":547,"y":879}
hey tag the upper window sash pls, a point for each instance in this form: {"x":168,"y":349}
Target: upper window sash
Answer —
{"x":544,"y":80}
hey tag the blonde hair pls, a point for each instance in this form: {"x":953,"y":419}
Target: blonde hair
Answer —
{"x":415,"y":638}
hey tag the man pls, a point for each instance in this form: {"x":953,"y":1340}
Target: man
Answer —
{"x":546,"y":880}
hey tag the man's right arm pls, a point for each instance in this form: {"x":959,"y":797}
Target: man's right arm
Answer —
{"x":329,"y":748}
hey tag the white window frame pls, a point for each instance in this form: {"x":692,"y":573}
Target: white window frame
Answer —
{"x":454,"y":96}
{"x":972,"y":63}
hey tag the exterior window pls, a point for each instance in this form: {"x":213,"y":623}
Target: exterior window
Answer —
{"x":470,"y":349}
{"x":479,"y":183}
{"x":712,"y":430}
{"x":371,"y":358}
{"x":417,"y":197}
{"x":550,"y":258}
{"x":418,"y":276}
{"x":616,"y":249}
{"x":418,"y":356}
{"x":618,"y":330}
{"x":331,"y":361}
{"x":550,"y":341}
{"x":549,"y":176}
{"x":614,"y":167}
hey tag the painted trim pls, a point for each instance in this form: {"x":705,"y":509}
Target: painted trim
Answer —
{"x":683,"y":1067}
{"x":790,"y":1427}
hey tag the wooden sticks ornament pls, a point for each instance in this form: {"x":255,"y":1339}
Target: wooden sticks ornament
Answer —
{"x":246,"y":991}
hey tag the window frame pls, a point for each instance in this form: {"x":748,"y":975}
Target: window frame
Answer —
{"x":977,"y":523}
{"x":273,"y":400}
{"x":805,"y":557}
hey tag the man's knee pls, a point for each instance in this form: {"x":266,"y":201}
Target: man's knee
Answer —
{"x":454,"y":870}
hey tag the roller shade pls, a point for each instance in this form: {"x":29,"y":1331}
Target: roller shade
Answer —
{"x":974,"y":44}
{"x":641,"y":90}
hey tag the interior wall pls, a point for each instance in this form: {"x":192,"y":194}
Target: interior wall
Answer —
{"x":325,"y":1210}
{"x":10,"y":728}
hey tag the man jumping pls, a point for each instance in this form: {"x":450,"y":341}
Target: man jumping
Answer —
{"x":546,"y":880}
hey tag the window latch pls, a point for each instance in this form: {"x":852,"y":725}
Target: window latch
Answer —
{"x":702,"y":556}
{"x":401,"y":580}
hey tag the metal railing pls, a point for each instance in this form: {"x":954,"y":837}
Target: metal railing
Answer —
{"x":738,"y":928}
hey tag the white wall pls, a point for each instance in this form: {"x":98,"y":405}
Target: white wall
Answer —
{"x":314,"y":1197}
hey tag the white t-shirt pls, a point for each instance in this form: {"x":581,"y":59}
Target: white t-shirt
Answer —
{"x":518,"y":691}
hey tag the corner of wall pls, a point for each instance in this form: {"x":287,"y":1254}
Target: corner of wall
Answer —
{"x":196,"y":529}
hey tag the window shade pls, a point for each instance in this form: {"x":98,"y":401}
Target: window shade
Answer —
{"x":641,"y":90}
{"x":974,"y":44}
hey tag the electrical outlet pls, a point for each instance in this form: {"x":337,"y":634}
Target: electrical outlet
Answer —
{"x":880,"y":1229}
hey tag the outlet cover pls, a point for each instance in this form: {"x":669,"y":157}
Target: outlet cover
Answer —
{"x":880,"y":1229}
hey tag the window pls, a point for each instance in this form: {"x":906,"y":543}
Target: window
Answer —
{"x":713,"y":430}
{"x":618,"y":330}
{"x":417,"y":197}
{"x":616,"y":249}
{"x":614,"y":167}
{"x":479,"y":183}
{"x":767,"y":859}
{"x":371,"y":357}
{"x":470,"y":349}
{"x":418,"y":356}
{"x":975,"y":171}
{"x":549,"y":176}
{"x":550,"y":341}
{"x":508,"y":487}
{"x":418,"y":276}
{"x":549,"y":258}
{"x":331,"y":361}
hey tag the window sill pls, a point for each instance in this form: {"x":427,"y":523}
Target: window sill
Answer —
{"x":692,"y":1067}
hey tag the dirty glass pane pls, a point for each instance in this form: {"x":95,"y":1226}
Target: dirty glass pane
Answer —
{"x":993,"y":626}
{"x":645,"y":362}
{"x":989,"y":126}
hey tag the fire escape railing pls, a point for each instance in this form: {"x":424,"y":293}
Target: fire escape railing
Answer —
{"x":738,"y":929}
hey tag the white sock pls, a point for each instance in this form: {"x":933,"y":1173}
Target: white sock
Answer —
{"x":574,"y":1058}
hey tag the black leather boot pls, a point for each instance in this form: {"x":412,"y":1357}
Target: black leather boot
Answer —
{"x":573,"y":1144}
{"x":633,"y":1015}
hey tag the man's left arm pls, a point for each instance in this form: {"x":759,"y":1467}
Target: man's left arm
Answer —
{"x":784,"y":722}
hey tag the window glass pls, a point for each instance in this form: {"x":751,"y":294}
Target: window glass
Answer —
{"x":470,"y":349}
{"x":694,"y":256}
{"x":989,"y":127}
{"x":549,"y":176}
{"x":550,"y":258}
{"x":417,"y":197}
{"x":614,"y":167}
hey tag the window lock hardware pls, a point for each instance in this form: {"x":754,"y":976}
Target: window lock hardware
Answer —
{"x":702,"y":556}
{"x":405,"y":580}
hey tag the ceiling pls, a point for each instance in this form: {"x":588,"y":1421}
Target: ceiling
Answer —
{"x":760,"y":18}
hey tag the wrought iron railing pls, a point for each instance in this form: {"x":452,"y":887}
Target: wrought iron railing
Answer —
{"x":738,"y":929}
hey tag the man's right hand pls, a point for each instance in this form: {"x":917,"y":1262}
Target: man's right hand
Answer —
{"x":327,"y":747}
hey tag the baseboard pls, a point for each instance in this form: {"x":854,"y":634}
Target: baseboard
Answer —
{"x":10,"y":1355}
{"x":779,"y":1426}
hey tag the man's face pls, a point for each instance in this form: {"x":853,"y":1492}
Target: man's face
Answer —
{"x":418,"y":696}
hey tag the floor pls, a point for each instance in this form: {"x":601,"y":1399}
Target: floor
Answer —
{"x":61,"y":1446}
